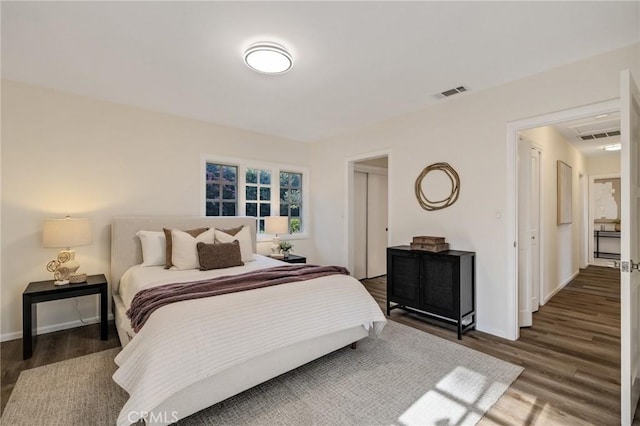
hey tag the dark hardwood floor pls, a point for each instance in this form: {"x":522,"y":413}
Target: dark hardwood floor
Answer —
{"x":50,"y":348}
{"x":571,"y":355}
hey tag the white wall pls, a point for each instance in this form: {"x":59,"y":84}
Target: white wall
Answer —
{"x":469,"y":132}
{"x":66,"y":154}
{"x":604,"y":164}
{"x":561,"y":243}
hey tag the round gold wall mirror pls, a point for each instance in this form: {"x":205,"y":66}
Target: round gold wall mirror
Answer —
{"x":431,"y":205}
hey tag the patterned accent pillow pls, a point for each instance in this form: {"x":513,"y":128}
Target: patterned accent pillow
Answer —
{"x":169,"y":247}
{"x":219,"y":255}
{"x":244,"y":237}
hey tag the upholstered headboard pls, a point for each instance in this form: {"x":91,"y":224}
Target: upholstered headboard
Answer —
{"x":126,"y":250}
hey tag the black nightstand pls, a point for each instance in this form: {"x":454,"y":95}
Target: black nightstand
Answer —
{"x":44,"y":291}
{"x":292,"y":258}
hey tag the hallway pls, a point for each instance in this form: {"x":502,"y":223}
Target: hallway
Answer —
{"x":571,"y":354}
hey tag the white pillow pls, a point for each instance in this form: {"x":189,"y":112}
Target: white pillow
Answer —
{"x":184,"y":253}
{"x":153,"y":247}
{"x":243,"y":237}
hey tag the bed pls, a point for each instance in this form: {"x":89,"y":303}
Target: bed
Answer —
{"x":193,"y":354}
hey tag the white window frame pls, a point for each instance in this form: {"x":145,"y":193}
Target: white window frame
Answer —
{"x":275,"y":168}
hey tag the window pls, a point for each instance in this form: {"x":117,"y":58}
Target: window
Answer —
{"x":258,"y":195}
{"x":222,"y":190}
{"x":235,"y":187}
{"x":291,"y":199}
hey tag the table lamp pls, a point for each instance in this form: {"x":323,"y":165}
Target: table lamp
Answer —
{"x":276,"y":225}
{"x":66,"y":233}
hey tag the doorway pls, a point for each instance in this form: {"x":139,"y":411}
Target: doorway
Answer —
{"x":514,"y":130}
{"x":367,"y":231}
{"x":370,"y":217}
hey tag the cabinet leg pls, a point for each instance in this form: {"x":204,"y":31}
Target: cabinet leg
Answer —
{"x":104,"y":327}
{"x":29,"y":326}
{"x":460,"y":329}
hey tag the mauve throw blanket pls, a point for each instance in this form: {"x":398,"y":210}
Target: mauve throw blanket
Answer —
{"x":147,"y":301}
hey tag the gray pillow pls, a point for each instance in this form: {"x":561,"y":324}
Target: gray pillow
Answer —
{"x":219,"y":255}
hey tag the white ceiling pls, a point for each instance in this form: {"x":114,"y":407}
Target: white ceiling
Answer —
{"x":355,"y":63}
{"x":571,"y":130}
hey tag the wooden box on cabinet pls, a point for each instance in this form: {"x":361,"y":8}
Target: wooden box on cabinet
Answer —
{"x":440,"y":285}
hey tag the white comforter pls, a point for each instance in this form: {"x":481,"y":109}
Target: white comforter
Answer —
{"x":184,"y":342}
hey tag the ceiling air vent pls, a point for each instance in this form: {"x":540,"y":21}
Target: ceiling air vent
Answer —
{"x":599,"y":135}
{"x":451,"y":92}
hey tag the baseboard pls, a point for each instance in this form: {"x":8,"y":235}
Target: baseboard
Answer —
{"x":54,"y":327}
{"x":492,"y":331}
{"x":560,"y":287}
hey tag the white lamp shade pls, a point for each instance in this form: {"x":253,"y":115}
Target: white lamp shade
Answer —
{"x":276,"y":225}
{"x":66,"y":232}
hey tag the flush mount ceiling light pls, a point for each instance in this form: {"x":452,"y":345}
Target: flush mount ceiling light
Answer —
{"x":614,"y":147}
{"x":601,"y":116}
{"x":268,"y":58}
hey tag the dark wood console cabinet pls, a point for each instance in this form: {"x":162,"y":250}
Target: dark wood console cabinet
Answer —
{"x":440,"y":286}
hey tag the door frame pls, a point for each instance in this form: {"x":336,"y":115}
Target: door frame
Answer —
{"x":541,"y":301}
{"x":366,"y":170}
{"x":591,"y":219}
{"x":348,"y":202}
{"x":511,"y":191}
{"x":585,"y":240}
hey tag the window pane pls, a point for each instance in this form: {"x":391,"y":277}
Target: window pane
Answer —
{"x":265,"y":177}
{"x":295,"y":225}
{"x":213,"y":171}
{"x":213,"y":209}
{"x":229,"y":192}
{"x":252,"y":209}
{"x":265,"y":194}
{"x":284,"y":179}
{"x":252,"y":193}
{"x":284,"y":209}
{"x":265,"y":209}
{"x":295,"y":210}
{"x":284,"y":195}
{"x":228,"y":209}
{"x":229,"y":174}
{"x":213,"y":191}
{"x":296,"y":180}
{"x":252,"y":176}
{"x":261,"y":226}
{"x":296,"y":195}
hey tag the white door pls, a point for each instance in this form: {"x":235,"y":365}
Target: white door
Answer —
{"x":377,"y":225}
{"x":360,"y":225}
{"x":525,"y":317}
{"x":629,"y":245}
{"x":535,"y":229}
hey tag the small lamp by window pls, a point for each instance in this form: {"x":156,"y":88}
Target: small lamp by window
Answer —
{"x":276,"y":225}
{"x":66,"y":233}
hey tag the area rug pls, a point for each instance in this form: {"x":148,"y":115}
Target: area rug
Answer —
{"x":406,"y":377}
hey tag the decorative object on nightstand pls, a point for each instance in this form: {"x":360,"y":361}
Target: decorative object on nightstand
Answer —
{"x":285,"y":247}
{"x":276,"y":225}
{"x":66,"y":233}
